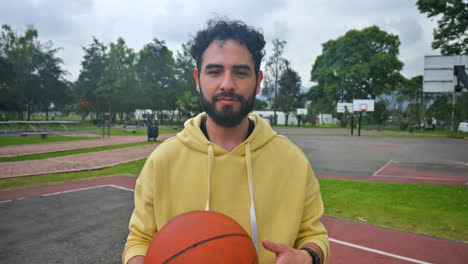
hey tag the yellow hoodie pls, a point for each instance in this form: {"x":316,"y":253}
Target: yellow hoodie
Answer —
{"x":188,"y":172}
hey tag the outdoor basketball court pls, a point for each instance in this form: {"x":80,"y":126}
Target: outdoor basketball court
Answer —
{"x":406,"y":160}
{"x":86,"y":221}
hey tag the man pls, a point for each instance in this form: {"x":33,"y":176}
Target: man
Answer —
{"x":230,"y":162}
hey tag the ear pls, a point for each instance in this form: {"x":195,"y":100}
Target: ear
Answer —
{"x":195,"y":76}
{"x":259,"y":81}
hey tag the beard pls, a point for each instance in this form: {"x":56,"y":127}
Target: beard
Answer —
{"x":227,"y":116}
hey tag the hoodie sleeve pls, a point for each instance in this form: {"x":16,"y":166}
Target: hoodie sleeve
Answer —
{"x":142,"y":222}
{"x":311,"y":229}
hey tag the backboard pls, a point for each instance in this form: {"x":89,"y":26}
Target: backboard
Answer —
{"x":439,"y":74}
{"x":340,"y":107}
{"x":301,"y":111}
{"x":363,"y":105}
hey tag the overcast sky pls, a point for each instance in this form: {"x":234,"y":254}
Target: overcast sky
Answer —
{"x":304,"y":24}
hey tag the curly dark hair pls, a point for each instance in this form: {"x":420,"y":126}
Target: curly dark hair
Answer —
{"x":224,"y":29}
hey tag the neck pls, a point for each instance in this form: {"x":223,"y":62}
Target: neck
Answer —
{"x":227,"y":137}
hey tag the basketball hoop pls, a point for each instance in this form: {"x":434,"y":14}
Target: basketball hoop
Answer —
{"x":363,"y":109}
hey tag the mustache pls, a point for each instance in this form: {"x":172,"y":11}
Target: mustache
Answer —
{"x":226,"y":94}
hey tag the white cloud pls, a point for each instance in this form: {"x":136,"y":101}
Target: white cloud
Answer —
{"x":304,"y":24}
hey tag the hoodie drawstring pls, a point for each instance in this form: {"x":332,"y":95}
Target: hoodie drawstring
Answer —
{"x":253,"y":215}
{"x":210,"y":173}
{"x":248,"y":161}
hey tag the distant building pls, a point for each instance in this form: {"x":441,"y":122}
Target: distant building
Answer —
{"x":281,"y":117}
{"x":326,"y":119}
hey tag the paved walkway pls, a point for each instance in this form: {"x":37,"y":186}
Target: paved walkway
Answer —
{"x":79,"y":162}
{"x":29,"y":149}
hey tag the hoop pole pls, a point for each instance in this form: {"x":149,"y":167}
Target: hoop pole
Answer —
{"x":359,"y":129}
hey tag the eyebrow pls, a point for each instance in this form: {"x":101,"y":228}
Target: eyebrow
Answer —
{"x":213,"y":66}
{"x":236,"y":67}
{"x":242,"y":67}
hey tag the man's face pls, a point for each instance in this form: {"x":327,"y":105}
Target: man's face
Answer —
{"x":227,"y":82}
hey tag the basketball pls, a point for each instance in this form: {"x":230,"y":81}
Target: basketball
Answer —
{"x":201,"y":237}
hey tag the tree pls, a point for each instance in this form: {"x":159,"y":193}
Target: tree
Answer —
{"x":188,"y":104}
{"x":7,"y":100}
{"x":35,"y":78}
{"x":451,"y":35}
{"x":185,"y":86}
{"x":396,"y":102}
{"x":52,"y":89}
{"x":417,"y":99}
{"x":184,"y":66}
{"x":118,"y":73}
{"x":17,"y":51}
{"x":380,"y":113}
{"x":359,"y":65}
{"x":260,"y":105}
{"x":290,"y":96}
{"x":155,"y":71}
{"x":441,"y":109}
{"x":319,"y":102}
{"x":92,"y":74}
{"x":274,"y":68}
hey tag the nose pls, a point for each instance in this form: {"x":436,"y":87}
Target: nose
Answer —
{"x":227,"y":83}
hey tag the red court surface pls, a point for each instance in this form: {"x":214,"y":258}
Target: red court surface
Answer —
{"x":351,"y":242}
{"x":435,"y":173}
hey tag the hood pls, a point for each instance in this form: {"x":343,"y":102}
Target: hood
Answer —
{"x":193,"y":137}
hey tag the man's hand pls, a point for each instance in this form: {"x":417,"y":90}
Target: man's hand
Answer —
{"x":137,"y":260}
{"x":286,"y":255}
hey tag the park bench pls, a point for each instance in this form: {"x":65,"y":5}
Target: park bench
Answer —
{"x":127,"y":131}
{"x":42,"y":134}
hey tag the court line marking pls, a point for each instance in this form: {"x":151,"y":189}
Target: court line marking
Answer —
{"x":388,"y":163}
{"x":120,"y":187}
{"x":331,"y":239}
{"x":419,"y":178}
{"x":74,"y":190}
{"x":378,"y":251}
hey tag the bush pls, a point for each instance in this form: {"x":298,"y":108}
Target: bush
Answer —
{"x":403,"y":126}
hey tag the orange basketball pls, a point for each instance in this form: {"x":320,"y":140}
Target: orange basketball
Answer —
{"x":201,"y":237}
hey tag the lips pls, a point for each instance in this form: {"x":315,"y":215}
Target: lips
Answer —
{"x":227,"y":100}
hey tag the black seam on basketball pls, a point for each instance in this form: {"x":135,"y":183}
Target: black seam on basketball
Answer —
{"x":200,"y":243}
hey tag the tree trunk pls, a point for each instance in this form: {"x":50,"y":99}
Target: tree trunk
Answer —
{"x":172,"y":115}
{"x":29,"y":112}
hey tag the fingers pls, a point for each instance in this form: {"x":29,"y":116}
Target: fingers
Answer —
{"x":273,"y":247}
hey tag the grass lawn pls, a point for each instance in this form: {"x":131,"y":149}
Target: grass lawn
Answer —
{"x":437,"y":210}
{"x":8,"y":141}
{"x":130,"y":168}
{"x":72,"y":152}
{"x":127,"y":131}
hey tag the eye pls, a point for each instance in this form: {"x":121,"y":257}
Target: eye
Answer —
{"x":242,"y":73}
{"x":215,"y":72}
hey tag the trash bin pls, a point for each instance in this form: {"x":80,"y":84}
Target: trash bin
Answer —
{"x":410,"y":130}
{"x":152,"y":132}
